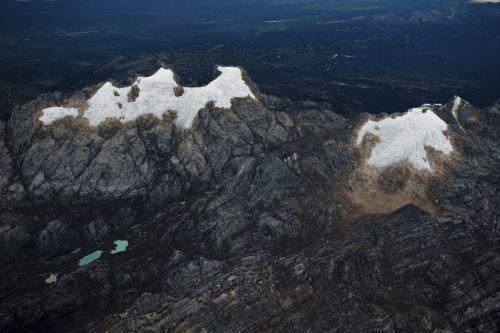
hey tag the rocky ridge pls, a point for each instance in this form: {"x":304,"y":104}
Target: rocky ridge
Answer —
{"x":262,"y":217}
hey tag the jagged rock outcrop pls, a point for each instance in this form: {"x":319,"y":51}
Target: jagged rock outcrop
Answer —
{"x":151,"y":158}
{"x":261,"y":217}
{"x":5,"y":161}
{"x":381,"y":275}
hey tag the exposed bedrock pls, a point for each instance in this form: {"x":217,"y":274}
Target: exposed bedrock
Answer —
{"x":265,"y":216}
{"x":149,"y":158}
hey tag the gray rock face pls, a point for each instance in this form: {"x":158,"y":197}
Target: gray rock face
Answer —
{"x":56,"y":238}
{"x":5,"y":162}
{"x":383,"y":275}
{"x":263,"y":217}
{"x":69,"y":160}
{"x":12,"y":239}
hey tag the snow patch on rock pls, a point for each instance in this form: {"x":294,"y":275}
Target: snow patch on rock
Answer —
{"x":454,"y":110}
{"x":403,"y":138}
{"x":52,"y":114}
{"x":156,"y":96}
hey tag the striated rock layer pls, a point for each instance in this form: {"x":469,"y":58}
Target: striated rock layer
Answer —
{"x":264,"y":215}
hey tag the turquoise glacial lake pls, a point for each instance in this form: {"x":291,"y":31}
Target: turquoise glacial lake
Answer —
{"x":90,"y":258}
{"x":120,"y":246}
{"x":51,"y":279}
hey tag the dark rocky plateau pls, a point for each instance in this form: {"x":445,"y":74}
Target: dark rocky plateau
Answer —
{"x":261,"y":218}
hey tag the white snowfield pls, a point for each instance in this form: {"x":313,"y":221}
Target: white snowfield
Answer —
{"x":404,"y":138}
{"x":52,"y":114}
{"x":156,"y":96}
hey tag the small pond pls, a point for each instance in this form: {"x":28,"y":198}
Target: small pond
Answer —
{"x":51,"y":279}
{"x":90,"y":258}
{"x":120,"y":246}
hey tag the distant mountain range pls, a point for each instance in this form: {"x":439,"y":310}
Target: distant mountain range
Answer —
{"x":339,"y":52}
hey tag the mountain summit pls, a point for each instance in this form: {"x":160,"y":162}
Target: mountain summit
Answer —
{"x":156,"y":207}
